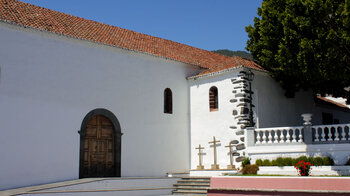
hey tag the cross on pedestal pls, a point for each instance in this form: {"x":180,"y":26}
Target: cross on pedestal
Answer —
{"x":231,"y":166}
{"x":214,"y":166}
{"x":200,"y":166}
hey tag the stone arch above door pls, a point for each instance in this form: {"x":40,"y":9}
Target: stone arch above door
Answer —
{"x":100,"y":145}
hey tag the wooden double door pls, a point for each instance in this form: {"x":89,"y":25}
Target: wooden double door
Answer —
{"x":98,"y":148}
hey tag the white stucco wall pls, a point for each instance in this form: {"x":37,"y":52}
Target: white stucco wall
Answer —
{"x":339,"y":152}
{"x":206,"y":124}
{"x":342,"y":116}
{"x":272,"y":109}
{"x":49,"y":83}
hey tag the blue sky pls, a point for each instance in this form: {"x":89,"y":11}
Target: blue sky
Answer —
{"x":206,"y":24}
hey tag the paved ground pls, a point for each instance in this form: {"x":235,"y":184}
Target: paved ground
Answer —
{"x":100,"y":186}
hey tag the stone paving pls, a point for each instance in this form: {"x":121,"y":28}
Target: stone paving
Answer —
{"x":100,"y":186}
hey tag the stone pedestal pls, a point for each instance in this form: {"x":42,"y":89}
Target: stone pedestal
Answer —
{"x":215,"y":166}
{"x":200,"y":167}
{"x":231,"y":167}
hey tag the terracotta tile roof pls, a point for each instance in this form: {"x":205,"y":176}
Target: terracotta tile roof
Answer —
{"x":332,"y":102}
{"x":24,"y":14}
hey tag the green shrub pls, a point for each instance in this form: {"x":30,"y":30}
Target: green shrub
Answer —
{"x":267,"y":162}
{"x":250,"y":169}
{"x":259,"y":162}
{"x":303,"y":158}
{"x":317,"y":161}
{"x":245,"y":162}
{"x":273,"y":163}
{"x":279,"y":161}
{"x":327,"y":161}
{"x":310,"y":159}
{"x":287,"y":161}
{"x":294,"y":161}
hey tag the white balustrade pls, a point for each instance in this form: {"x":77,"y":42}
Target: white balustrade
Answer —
{"x":294,"y":135}
{"x":316,"y":136}
{"x":279,"y":135}
{"x":282,"y":136}
{"x":263,"y":141}
{"x":331,"y":133}
{"x":320,"y":134}
{"x":300,"y":136}
{"x":275,"y":137}
{"x":257,"y":139}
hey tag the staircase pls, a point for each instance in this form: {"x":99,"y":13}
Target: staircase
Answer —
{"x":192,"y":186}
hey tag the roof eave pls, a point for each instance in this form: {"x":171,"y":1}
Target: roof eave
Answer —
{"x":221,"y":72}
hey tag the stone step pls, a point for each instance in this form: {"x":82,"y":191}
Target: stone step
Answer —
{"x":207,"y":182}
{"x":196,"y":178}
{"x":178,"y":186}
{"x":192,"y":188}
{"x":194,"y":194}
{"x":189,"y":192}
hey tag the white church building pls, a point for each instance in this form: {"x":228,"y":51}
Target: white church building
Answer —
{"x":80,"y":99}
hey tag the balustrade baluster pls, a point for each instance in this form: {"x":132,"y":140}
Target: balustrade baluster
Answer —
{"x":294,"y":135}
{"x":287,"y":136}
{"x":300,"y":135}
{"x":264,"y":137}
{"x":323,"y":135}
{"x":336,"y":134}
{"x":316,"y":135}
{"x":282,"y":136}
{"x":257,"y":137}
{"x":270,"y":136}
{"x":275,"y":138}
{"x":343,"y":134}
{"x":329,"y":134}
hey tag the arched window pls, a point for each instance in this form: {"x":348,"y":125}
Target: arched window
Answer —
{"x":168,"y":101}
{"x":213,"y":99}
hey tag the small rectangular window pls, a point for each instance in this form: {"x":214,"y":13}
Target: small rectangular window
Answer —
{"x":213,"y":99}
{"x":168,"y":101}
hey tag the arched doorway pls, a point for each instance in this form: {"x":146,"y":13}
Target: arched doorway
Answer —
{"x":100,"y":145}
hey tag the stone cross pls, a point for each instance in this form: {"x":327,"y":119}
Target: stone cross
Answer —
{"x":200,"y":166}
{"x":214,"y":166}
{"x":231,"y":166}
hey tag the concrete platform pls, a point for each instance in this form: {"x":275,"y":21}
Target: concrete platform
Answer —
{"x":206,"y":173}
{"x":100,"y":186}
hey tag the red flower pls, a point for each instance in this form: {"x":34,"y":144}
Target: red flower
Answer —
{"x":303,"y":167}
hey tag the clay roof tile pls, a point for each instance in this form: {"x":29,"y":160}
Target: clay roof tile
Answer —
{"x":52,"y":21}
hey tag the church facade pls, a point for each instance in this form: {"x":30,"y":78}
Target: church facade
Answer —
{"x":83,"y":99}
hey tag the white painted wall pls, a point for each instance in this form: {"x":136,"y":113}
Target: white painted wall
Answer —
{"x":272,"y":109}
{"x":275,"y":110}
{"x":206,"y":124}
{"x":49,"y":83}
{"x":338,"y":152}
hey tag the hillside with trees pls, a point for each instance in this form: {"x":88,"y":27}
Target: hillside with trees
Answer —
{"x":231,"y":53}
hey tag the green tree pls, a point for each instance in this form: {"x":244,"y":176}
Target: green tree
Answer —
{"x":304,"y":44}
